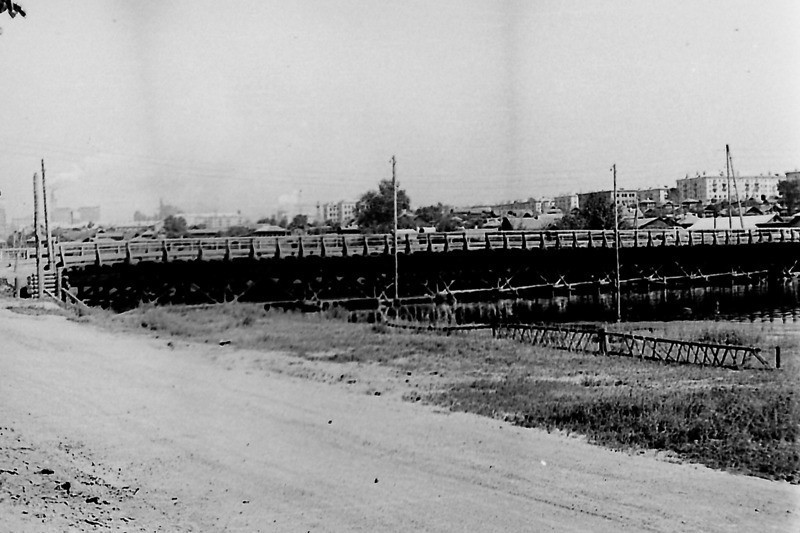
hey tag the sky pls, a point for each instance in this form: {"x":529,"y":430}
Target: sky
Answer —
{"x":260,"y":105}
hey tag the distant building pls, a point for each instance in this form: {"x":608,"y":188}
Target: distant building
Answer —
{"x":794,"y":175}
{"x":270,"y":230}
{"x":543,"y":205}
{"x":566,"y":203}
{"x":708,"y":189}
{"x":625,"y":197}
{"x":88,"y":214}
{"x":337,"y":212}
{"x":61,"y":216}
{"x":658,"y":195}
{"x":515,"y":209}
{"x":213,"y":221}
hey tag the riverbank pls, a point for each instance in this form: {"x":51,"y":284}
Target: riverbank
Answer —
{"x":111,"y":429}
{"x":741,"y":421}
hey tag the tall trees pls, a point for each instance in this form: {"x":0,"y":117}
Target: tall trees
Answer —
{"x":299,"y":222}
{"x":175,"y":226}
{"x":376,"y":208}
{"x":439,"y":216}
{"x":596,"y":213}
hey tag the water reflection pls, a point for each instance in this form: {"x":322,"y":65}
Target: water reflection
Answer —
{"x":748,"y":302}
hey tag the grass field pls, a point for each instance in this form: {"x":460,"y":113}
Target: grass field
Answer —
{"x":742,"y":421}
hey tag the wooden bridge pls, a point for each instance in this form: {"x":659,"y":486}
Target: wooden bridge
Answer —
{"x":473,"y":266}
{"x":214,"y":249}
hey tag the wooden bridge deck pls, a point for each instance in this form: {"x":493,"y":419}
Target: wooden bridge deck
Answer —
{"x":80,"y":254}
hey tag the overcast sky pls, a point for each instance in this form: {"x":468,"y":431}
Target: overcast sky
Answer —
{"x":252,"y":104}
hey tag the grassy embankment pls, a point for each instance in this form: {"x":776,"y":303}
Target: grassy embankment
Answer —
{"x":743,"y":421}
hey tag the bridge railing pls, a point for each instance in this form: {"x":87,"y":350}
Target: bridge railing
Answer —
{"x":73,"y":254}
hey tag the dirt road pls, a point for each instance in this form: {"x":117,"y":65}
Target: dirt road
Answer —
{"x":153,"y":437}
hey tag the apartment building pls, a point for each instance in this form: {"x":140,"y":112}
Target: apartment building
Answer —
{"x":338,"y":212}
{"x":708,"y":189}
{"x":658,"y":195}
{"x":566,"y":203}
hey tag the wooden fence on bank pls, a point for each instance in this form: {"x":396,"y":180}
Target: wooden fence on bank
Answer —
{"x":601,"y":342}
{"x":598,"y":341}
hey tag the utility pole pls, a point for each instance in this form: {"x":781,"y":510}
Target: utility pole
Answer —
{"x":50,"y":257}
{"x":728,"y":174}
{"x":394,"y":233}
{"x":733,"y":174}
{"x":616,"y":248}
{"x":37,"y":239}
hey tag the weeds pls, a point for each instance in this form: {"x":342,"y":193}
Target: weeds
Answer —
{"x":730,"y":427}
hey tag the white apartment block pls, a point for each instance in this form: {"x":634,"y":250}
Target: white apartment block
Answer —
{"x":659,"y":195}
{"x":708,"y":189}
{"x":340,"y":212}
{"x":566,"y":202}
